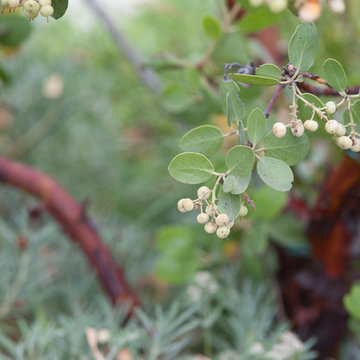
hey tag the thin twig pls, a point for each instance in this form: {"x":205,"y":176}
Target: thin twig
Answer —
{"x":273,"y":99}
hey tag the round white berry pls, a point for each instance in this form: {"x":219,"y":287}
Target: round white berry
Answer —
{"x":31,"y":6}
{"x":330,"y":107}
{"x":340,"y":130}
{"x":356,"y":145}
{"x":187,"y":204}
{"x":309,"y":12}
{"x":202,"y":218}
{"x":243,"y":210}
{"x":31,"y":14}
{"x":222,"y":220}
{"x":47,"y":10}
{"x":12,"y":3}
{"x":331,"y":126}
{"x":277,"y":6}
{"x":337,"y":6}
{"x":222,"y":232}
{"x":44,"y":2}
{"x":203,"y":193}
{"x":256,"y":2}
{"x":279,"y":129}
{"x":298,"y":129}
{"x":311,"y":125}
{"x":210,"y":227}
{"x":180,"y":206}
{"x":344,"y":142}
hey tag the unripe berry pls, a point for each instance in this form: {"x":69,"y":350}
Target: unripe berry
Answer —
{"x":44,"y":2}
{"x":188,"y":204}
{"x":47,"y":10}
{"x":31,"y":14}
{"x":222,"y":232}
{"x":298,"y":129}
{"x":356,"y":145}
{"x":256,"y":2}
{"x":344,"y":142}
{"x":331,"y":126}
{"x":311,"y":125}
{"x":243,"y":210}
{"x":277,"y":6}
{"x":180,"y":206}
{"x":340,"y":130}
{"x":210,"y":227}
{"x":203,"y":193}
{"x":337,"y":6}
{"x":330,"y":107}
{"x":210,"y":210}
{"x":31,"y":6}
{"x":222,"y":220}
{"x":279,"y":129}
{"x":309,"y":12}
{"x":12,"y":3}
{"x":202,"y":218}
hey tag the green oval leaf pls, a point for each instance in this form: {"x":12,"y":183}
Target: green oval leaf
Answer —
{"x":230,"y":101}
{"x":60,"y":7}
{"x":206,"y":139}
{"x":211,"y":27}
{"x":191,"y":168}
{"x":236,"y":184}
{"x":257,"y":18}
{"x":229,"y":204}
{"x":240,"y":160}
{"x":256,"y":126}
{"x":14,"y":30}
{"x":254,"y":79}
{"x":303,"y":46}
{"x":269,"y":70}
{"x":305,"y":112}
{"x":269,"y":202}
{"x":290,"y":149}
{"x":275,"y":173}
{"x":335,"y":75}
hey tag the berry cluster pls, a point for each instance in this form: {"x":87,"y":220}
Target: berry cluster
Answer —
{"x":212,"y":219}
{"x":32,"y":8}
{"x":333,"y":127}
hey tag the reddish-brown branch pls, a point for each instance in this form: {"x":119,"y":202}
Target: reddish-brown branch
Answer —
{"x":319,"y":91}
{"x":74,"y":221}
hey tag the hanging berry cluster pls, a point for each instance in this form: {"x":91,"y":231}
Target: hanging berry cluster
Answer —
{"x":32,"y":8}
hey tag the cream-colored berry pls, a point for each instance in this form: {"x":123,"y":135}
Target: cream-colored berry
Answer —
{"x":277,"y":6}
{"x":188,"y":204}
{"x":340,"y":130}
{"x":311,"y":125}
{"x":31,"y":14}
{"x":298,"y":129}
{"x":180,"y":206}
{"x":222,"y":232}
{"x":331,"y":126}
{"x":44,"y":2}
{"x":202,"y":218}
{"x":337,"y":6}
{"x":243,"y":210}
{"x":222,"y":220}
{"x":12,"y":3}
{"x":279,"y":129}
{"x":356,"y":145}
{"x":309,"y":12}
{"x":330,"y":107}
{"x":344,"y":142}
{"x":47,"y":10}
{"x":203,"y":193}
{"x":256,"y":2}
{"x":31,"y":6}
{"x":210,"y":227}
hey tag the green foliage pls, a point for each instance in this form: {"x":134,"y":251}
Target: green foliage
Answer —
{"x":256,"y":126}
{"x":236,"y":185}
{"x":232,"y":106}
{"x":352,"y":301}
{"x":13,"y":30}
{"x":60,"y":7}
{"x":335,"y":75}
{"x":305,"y":112}
{"x":269,"y":70}
{"x":211,"y":27}
{"x":240,"y":160}
{"x":254,"y":79}
{"x":229,"y":204}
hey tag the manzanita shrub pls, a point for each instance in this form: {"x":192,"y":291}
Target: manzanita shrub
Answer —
{"x":265,"y":150}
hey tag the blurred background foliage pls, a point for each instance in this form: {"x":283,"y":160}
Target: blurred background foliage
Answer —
{"x":76,"y":109}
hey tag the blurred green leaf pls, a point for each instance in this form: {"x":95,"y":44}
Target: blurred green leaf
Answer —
{"x":60,"y":7}
{"x":191,"y":168}
{"x":229,"y":204}
{"x":305,"y":112}
{"x":230,"y":101}
{"x":240,"y":160}
{"x":290,"y":149}
{"x":275,"y":173}
{"x":256,"y":125}
{"x":335,"y":74}
{"x":14,"y":30}
{"x":254,"y":79}
{"x":269,"y":70}
{"x":352,"y":301}
{"x":303,"y":46}
{"x":211,"y":26}
{"x":257,"y":19}
{"x":235,"y":184}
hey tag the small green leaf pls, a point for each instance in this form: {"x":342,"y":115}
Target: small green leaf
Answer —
{"x":191,"y":168}
{"x":229,"y":204}
{"x":303,"y":46}
{"x":14,"y":30}
{"x":275,"y":173}
{"x":305,"y":112}
{"x":254,"y":79}
{"x":352,"y":301}
{"x":240,"y":160}
{"x":269,"y":202}
{"x":256,"y":126}
{"x":257,"y":19}
{"x":290,"y":149}
{"x":211,"y":27}
{"x":335,"y":75}
{"x":235,"y":184}
{"x":269,"y":70}
{"x":60,"y":7}
{"x":206,"y":139}
{"x":232,"y":106}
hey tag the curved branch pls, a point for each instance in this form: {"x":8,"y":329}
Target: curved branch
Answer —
{"x":72,"y":218}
